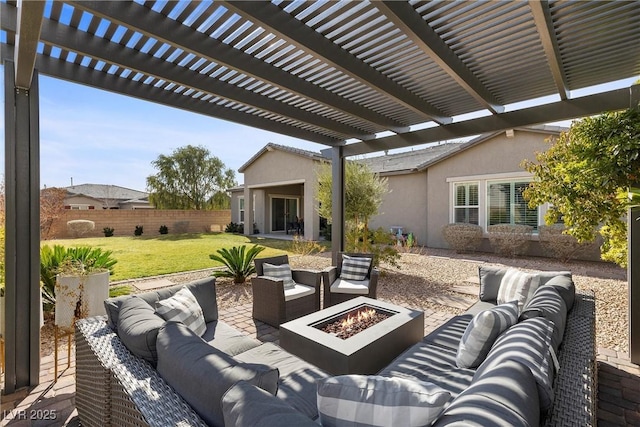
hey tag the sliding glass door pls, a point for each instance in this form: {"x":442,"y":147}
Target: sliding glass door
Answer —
{"x":284,"y":210}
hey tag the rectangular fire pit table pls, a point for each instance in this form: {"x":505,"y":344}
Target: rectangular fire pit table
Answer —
{"x":367,"y":352}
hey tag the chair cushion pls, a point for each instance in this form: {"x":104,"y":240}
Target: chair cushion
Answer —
{"x":360,"y":400}
{"x":548,"y":303}
{"x":344,"y":286}
{"x":490,"y":278}
{"x":298,"y":291}
{"x":354,"y":268}
{"x":183,"y":307}
{"x":245,"y":405}
{"x":565,"y":287}
{"x":201,"y":374}
{"x":138,"y":327}
{"x":482,"y":331}
{"x":528,"y":342}
{"x":279,"y":272}
{"x":517,"y":285}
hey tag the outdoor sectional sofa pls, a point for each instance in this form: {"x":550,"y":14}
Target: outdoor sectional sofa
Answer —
{"x":228,"y":377}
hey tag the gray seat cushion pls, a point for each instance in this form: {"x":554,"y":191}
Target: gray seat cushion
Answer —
{"x":297,"y":382}
{"x":528,"y":343}
{"x":138,"y":328}
{"x":245,"y":405}
{"x":228,"y":339}
{"x":502,"y":396}
{"x":204,"y":290}
{"x":201,"y":374}
{"x":450,"y":333}
{"x":548,"y":303}
{"x":431,"y":363}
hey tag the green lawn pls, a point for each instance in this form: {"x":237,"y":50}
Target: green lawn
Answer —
{"x":150,"y":256}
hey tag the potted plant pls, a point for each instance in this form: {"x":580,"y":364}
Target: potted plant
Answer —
{"x":81,"y":282}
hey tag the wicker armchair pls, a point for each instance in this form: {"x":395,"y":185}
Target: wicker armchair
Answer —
{"x":273,"y":305}
{"x":337,"y":291}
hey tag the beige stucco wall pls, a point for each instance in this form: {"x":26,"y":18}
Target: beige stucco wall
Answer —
{"x":499,"y":155}
{"x":405,"y":205}
{"x":280,"y":173}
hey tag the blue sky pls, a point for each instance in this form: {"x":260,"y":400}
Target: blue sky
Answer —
{"x":99,"y":137}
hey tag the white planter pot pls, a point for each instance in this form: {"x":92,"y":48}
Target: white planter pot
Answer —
{"x":80,"y":296}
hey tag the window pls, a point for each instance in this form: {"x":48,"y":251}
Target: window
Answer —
{"x":466,"y":203}
{"x":506,"y":205}
{"x":241,"y":208}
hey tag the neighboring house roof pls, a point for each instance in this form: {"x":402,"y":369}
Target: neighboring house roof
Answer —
{"x":271,"y":146}
{"x":107,"y":192}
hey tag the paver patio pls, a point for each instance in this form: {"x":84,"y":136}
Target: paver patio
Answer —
{"x":618,"y":381}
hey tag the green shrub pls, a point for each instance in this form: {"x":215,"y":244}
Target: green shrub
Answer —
{"x":553,"y":239}
{"x":378,"y":242}
{"x":238,"y":262}
{"x":510,"y":239}
{"x":108,"y":231}
{"x":138,"y":230}
{"x":163,"y":229}
{"x":304,"y":247}
{"x":57,"y":258}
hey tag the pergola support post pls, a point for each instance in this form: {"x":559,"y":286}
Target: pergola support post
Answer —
{"x":337,"y":202}
{"x":22,"y":227}
{"x":633,"y":269}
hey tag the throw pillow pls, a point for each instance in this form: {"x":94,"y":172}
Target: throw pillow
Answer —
{"x":279,"y":272}
{"x":482,"y":331}
{"x":138,"y":326}
{"x":360,"y":400}
{"x":517,"y":285}
{"x":354,"y":268}
{"x":184,"y":308}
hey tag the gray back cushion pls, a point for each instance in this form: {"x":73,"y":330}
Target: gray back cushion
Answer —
{"x":201,"y":374}
{"x":204,"y":290}
{"x":548,"y":303}
{"x":490,"y":279}
{"x":528,"y":343}
{"x":501,"y":396}
{"x":565,"y":287}
{"x":138,"y":327}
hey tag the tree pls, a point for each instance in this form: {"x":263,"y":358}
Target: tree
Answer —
{"x":363,"y":194}
{"x":190,"y":178}
{"x":587,"y":175}
{"x":51,"y":208}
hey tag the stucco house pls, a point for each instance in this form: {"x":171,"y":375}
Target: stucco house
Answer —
{"x":100,"y":196}
{"x":479,"y":181}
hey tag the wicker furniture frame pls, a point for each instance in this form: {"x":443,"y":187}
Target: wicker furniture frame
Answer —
{"x":331,"y":274}
{"x":269,"y":304}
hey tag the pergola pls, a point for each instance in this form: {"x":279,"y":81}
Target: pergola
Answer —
{"x":356,"y":77}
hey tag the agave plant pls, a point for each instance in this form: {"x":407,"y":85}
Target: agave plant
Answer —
{"x":238,"y":262}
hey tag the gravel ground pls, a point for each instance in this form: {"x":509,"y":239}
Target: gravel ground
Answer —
{"x":425,"y":280}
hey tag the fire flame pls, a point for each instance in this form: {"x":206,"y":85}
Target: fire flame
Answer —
{"x":359,"y":317}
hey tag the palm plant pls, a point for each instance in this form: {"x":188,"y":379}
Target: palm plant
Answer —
{"x":238,"y":262}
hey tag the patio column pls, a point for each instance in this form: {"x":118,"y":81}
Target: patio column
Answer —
{"x":248,"y":211}
{"x":22,"y":250}
{"x":633,"y":269}
{"x":337,"y":202}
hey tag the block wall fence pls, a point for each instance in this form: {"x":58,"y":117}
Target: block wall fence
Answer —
{"x":124,"y":222}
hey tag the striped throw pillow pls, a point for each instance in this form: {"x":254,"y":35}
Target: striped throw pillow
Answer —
{"x":518,"y":286}
{"x":279,"y":272}
{"x":184,"y":308}
{"x":354,"y":268}
{"x":482,"y":331}
{"x":360,"y":400}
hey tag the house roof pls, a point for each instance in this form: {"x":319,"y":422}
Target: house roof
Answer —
{"x":102,"y":192}
{"x":417,"y":160}
{"x":271,"y":146}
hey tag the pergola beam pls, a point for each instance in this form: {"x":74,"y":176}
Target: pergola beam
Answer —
{"x":275,"y":20}
{"x":169,"y":31}
{"x":405,"y":17}
{"x":29,"y":21}
{"x":557,"y":111}
{"x":113,"y":53}
{"x":544,"y":25}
